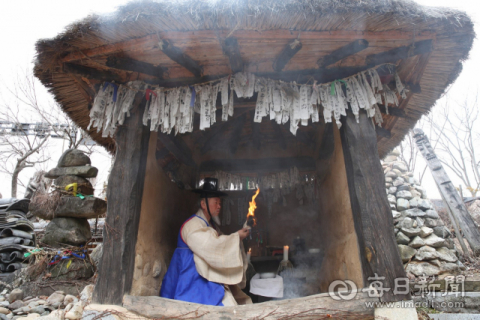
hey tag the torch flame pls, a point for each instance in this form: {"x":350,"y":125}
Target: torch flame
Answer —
{"x":252,"y":207}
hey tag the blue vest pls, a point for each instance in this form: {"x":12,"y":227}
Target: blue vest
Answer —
{"x":182,"y":281}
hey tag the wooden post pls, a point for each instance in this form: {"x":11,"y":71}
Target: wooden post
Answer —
{"x":448,"y":192}
{"x":371,"y":211}
{"x":124,"y":194}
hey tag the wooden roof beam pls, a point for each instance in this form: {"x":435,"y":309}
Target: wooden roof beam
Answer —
{"x":343,"y":52}
{"x":177,"y":55}
{"x":128,"y":64}
{"x":382,"y":132}
{"x":92,"y":73}
{"x":286,"y":55}
{"x":393,"y":111}
{"x":404,"y":52}
{"x":232,"y":51}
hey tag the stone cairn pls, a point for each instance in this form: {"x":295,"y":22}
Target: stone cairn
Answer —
{"x":69,"y":216}
{"x":424,"y":243}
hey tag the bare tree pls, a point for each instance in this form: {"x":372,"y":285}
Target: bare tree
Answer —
{"x":50,"y":114}
{"x":456,"y":132}
{"x":31,"y":125}
{"x":19,"y":146}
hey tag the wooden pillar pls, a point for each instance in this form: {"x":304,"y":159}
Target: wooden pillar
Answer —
{"x":371,"y":211}
{"x":124,"y":194}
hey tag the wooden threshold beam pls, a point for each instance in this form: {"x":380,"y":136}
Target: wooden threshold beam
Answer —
{"x":404,"y":52}
{"x":343,"y":52}
{"x":258,"y":165}
{"x":128,"y":64}
{"x":177,"y":55}
{"x":286,"y":55}
{"x":232,"y":51}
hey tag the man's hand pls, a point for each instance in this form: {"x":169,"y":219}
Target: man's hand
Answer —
{"x":243,"y":233}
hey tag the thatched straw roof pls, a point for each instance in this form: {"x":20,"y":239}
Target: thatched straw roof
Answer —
{"x":73,"y":64}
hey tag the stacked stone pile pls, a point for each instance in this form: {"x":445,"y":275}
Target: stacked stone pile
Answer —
{"x":424,"y":243}
{"x":69,"y":221}
{"x":58,"y":305}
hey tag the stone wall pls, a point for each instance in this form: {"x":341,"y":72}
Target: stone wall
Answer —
{"x":424,"y":243}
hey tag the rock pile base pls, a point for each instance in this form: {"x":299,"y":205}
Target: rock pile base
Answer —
{"x":424,"y":243}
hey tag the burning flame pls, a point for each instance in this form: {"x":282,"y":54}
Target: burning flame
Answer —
{"x":252,"y":207}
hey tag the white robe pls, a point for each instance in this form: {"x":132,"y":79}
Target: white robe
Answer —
{"x":218,"y":258}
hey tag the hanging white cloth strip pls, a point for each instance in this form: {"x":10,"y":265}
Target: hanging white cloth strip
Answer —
{"x":173,"y":108}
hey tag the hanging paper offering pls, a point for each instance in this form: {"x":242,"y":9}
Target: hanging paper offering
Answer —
{"x":172,"y":110}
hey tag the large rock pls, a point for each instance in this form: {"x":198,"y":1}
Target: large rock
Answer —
{"x":442,"y":231}
{"x":73,"y":158}
{"x":403,"y":187}
{"x":75,"y":207}
{"x":402,"y":238}
{"x":420,"y":222}
{"x":398,"y":182}
{"x":16,"y":294}
{"x":72,"y":231}
{"x":424,"y":204}
{"x":392,"y":190}
{"x":83,"y":185}
{"x":404,"y":194}
{"x":406,"y":223}
{"x":413,"y":203}
{"x":77,"y":270}
{"x":55,"y":297}
{"x":402,"y":204}
{"x":415,"y":212}
{"x":391,"y":198}
{"x":426,"y":253}
{"x":400,"y":166}
{"x":431,"y":223}
{"x":82,"y":171}
{"x":411,"y":232}
{"x":391,"y":174}
{"x":422,"y":268}
{"x":446,"y":255}
{"x":417,"y":242}
{"x":432,"y":214}
{"x":406,"y":252}
{"x":425,"y":232}
{"x":434,"y":241}
{"x":396,"y":214}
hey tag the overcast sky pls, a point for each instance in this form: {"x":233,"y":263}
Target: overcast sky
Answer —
{"x":26,"y":21}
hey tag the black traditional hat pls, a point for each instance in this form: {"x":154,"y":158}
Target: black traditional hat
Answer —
{"x":210,"y":189}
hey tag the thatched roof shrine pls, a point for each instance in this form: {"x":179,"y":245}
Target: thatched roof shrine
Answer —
{"x":215,"y":39}
{"x":364,"y":63}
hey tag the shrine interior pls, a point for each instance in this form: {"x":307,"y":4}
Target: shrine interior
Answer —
{"x":312,"y":216}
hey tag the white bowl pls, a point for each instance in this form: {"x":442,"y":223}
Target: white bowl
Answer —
{"x":267,"y":275}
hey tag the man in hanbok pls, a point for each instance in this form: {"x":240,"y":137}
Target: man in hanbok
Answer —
{"x":207,"y":267}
